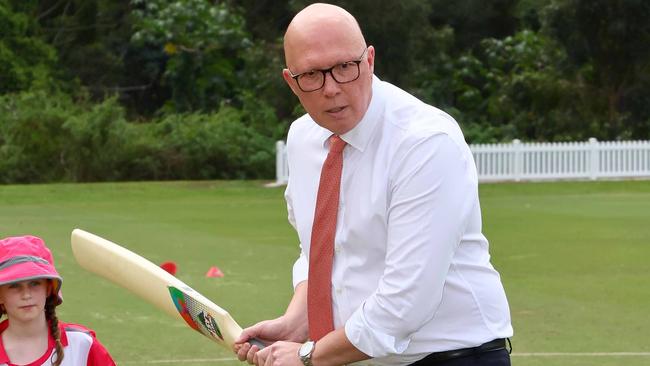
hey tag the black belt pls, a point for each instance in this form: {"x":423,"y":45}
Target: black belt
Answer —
{"x":495,"y":345}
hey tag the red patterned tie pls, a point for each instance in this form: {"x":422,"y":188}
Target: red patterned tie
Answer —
{"x":321,"y":253}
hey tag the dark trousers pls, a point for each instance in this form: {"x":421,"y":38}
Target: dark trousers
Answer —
{"x":492,"y":358}
{"x":493,"y":353}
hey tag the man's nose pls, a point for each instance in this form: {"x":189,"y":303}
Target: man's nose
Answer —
{"x":331,"y":86}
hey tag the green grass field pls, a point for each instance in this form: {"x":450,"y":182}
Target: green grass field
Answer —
{"x":574,"y":258}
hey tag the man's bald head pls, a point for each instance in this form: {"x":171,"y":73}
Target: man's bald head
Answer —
{"x":320,"y":25}
{"x":326,"y":39}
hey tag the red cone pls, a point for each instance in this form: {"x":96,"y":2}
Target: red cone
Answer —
{"x":214,"y":271}
{"x":170,"y":267}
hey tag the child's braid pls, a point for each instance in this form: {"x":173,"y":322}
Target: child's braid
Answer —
{"x":50,"y":315}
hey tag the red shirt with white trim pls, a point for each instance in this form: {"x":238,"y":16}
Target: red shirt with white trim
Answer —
{"x":80,"y":347}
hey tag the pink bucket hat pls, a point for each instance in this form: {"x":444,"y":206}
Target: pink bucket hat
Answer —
{"x":25,"y":258}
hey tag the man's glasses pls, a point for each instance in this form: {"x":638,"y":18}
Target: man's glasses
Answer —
{"x":342,"y":73}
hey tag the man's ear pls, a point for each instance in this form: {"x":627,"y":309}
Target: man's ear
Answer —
{"x":371,"y":59}
{"x":290,"y":81}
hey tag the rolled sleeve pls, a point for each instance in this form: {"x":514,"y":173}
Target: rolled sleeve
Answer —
{"x":371,"y":340}
{"x":432,"y":193}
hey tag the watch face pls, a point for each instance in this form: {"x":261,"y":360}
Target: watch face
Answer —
{"x":306,"y":349}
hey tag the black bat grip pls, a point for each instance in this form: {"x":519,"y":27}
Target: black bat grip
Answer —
{"x":256,"y":342}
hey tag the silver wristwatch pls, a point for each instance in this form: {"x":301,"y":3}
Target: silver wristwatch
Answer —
{"x":305,"y":352}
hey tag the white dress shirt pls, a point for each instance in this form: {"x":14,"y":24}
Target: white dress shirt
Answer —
{"x":411,"y":272}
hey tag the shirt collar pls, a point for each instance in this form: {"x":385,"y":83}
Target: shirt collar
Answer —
{"x":360,"y":135}
{"x":3,"y":354}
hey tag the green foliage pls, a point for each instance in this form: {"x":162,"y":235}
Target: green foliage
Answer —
{"x":190,"y":25}
{"x":102,"y":145}
{"x":525,"y":90}
{"x":183,"y":89}
{"x":511,"y":88}
{"x":475,"y":20}
{"x":608,"y":45}
{"x":89,"y":38}
{"x":31,"y":136}
{"x":52,"y":138}
{"x":264,"y":95}
{"x":204,"y":42}
{"x":49,"y":137}
{"x":216,"y":145}
{"x":25,"y":61}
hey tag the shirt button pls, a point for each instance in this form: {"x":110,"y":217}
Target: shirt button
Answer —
{"x":337,"y":248}
{"x":339,"y":290}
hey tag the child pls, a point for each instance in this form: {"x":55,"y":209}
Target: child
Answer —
{"x":29,"y":292}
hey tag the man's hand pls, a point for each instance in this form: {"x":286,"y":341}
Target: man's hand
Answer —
{"x":291,"y":327}
{"x":279,"y":354}
{"x":269,"y":332}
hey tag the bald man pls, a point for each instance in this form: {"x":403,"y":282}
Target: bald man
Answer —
{"x":383,"y":193}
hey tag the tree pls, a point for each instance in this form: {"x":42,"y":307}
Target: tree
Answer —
{"x":475,"y":20}
{"x":527,"y":93}
{"x":204,"y":43}
{"x":607,"y":41}
{"x":25,"y":60}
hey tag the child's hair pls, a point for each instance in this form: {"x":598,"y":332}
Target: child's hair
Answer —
{"x":50,"y":315}
{"x":25,"y":258}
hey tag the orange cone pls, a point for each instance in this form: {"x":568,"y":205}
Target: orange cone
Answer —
{"x":214,"y":271}
{"x":170,"y":267}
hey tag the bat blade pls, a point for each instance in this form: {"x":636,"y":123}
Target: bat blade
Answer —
{"x":155,"y":285}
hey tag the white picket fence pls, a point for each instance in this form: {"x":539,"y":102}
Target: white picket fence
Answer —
{"x":519,"y":161}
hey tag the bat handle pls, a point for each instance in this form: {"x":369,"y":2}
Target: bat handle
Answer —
{"x":256,"y":342}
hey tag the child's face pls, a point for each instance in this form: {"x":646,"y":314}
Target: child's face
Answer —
{"x":25,"y":300}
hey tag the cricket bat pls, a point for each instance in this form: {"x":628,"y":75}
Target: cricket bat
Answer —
{"x":155,"y":285}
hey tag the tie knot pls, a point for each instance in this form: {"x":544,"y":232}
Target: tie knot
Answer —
{"x":336,"y":144}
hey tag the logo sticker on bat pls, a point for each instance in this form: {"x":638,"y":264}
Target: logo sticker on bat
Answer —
{"x":195,"y":314}
{"x":210,"y":324}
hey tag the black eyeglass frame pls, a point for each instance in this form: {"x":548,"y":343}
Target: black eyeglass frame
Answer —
{"x":325,"y":71}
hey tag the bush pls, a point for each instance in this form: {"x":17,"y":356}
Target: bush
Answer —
{"x":216,"y":145}
{"x":104,"y":146}
{"x":31,"y":136}
{"x":46,"y":138}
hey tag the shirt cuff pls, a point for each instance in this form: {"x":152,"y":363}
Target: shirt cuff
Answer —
{"x":370,"y":340}
{"x":300,"y":270}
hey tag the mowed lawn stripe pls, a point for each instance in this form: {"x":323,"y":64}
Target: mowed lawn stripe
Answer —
{"x":573,"y":257}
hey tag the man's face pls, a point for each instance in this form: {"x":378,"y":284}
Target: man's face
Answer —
{"x":336,"y":107}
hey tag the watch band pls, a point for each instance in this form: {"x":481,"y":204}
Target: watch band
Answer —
{"x":306,"y":351}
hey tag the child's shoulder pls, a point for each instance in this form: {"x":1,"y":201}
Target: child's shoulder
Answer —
{"x":73,"y":327}
{"x":83,"y":344}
